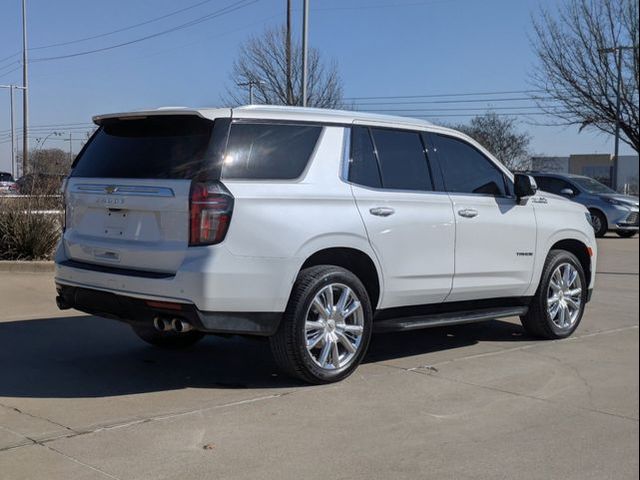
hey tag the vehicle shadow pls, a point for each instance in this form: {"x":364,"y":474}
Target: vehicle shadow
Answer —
{"x":73,"y":357}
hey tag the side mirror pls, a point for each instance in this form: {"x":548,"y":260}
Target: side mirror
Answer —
{"x":567,"y":192}
{"x":524,"y":186}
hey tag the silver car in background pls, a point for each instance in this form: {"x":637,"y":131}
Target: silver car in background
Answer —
{"x":610,"y":210}
{"x":7,"y":184}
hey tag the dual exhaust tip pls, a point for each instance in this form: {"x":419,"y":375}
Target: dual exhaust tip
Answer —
{"x":176,"y":325}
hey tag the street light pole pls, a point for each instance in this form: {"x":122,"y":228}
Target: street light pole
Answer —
{"x":617,"y":50}
{"x":287,"y":53}
{"x":13,"y":135}
{"x":305,"y":38}
{"x":25,"y":93}
{"x":14,"y":165}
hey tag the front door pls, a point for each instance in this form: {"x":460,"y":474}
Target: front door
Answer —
{"x":495,"y":235}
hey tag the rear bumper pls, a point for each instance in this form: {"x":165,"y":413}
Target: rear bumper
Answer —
{"x":210,"y":278}
{"x":140,"y":311}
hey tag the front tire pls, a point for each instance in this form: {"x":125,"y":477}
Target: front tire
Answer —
{"x":168,"y":340}
{"x":325,"y":331}
{"x":626,"y":233}
{"x":558,"y":305}
{"x":599,"y":222}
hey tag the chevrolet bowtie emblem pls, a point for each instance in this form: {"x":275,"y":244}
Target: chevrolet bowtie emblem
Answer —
{"x":111,"y":189}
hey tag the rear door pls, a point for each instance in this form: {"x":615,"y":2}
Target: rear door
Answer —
{"x":410,"y":226}
{"x":128,"y":193}
{"x":495,"y":235}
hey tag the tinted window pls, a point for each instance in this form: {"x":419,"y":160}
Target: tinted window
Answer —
{"x":263,"y":151}
{"x":363,"y":167}
{"x":552,"y":185}
{"x":155,"y":147}
{"x":403,"y":163}
{"x":466,"y":170}
{"x":592,"y":186}
{"x":6,"y":177}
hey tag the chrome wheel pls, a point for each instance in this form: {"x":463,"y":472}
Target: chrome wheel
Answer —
{"x":564,"y":296}
{"x":334,"y":326}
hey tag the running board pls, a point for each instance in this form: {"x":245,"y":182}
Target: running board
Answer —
{"x":444,"y":319}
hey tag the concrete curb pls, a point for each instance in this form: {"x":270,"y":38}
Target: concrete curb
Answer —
{"x":26,"y":266}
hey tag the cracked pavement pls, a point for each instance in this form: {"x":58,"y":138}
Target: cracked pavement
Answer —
{"x":83,"y":398}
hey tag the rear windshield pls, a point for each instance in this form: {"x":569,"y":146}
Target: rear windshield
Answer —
{"x":6,"y":177}
{"x":176,"y":147}
{"x":188,"y":147}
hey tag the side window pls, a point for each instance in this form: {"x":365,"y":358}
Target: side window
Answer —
{"x":552,"y":185}
{"x":403,"y":163}
{"x":466,"y":170}
{"x":269,"y":151}
{"x":363,"y":166}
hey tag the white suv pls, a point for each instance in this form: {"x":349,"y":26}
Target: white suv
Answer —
{"x":314,"y":228}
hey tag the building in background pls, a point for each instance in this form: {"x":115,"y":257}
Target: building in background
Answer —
{"x":597,"y":166}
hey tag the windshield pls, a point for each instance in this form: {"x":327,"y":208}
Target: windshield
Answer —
{"x":5,"y":177}
{"x":591,"y":185}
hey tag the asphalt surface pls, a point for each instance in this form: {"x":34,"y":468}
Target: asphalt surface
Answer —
{"x":82,"y":398}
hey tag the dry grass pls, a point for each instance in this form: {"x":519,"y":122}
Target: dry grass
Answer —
{"x":30,"y":226}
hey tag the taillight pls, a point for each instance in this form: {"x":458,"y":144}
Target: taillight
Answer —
{"x":210,"y":208}
{"x":63,"y":190}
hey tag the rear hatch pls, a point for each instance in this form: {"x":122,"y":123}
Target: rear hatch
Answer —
{"x":127,"y":198}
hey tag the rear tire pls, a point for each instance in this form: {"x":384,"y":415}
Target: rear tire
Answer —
{"x":599,"y":222}
{"x":168,"y":340}
{"x":318,"y":340}
{"x":626,"y":233}
{"x":563,"y":285}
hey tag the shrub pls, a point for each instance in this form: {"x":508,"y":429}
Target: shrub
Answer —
{"x":30,"y":226}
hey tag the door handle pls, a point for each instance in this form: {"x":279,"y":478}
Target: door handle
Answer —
{"x":382,"y":211}
{"x":468,"y":212}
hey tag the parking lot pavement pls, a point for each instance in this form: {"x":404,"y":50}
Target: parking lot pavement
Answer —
{"x":83,"y":398}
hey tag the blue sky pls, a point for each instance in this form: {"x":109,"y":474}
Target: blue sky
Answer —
{"x":382,"y":48}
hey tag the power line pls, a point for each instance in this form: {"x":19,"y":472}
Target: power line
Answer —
{"x":437,"y":95}
{"x":60,"y":125}
{"x":123,"y":29}
{"x":218,"y":13}
{"x":394,"y":6}
{"x":470,"y":109}
{"x":473,"y":100}
{"x":10,"y":71}
{"x":509,"y":114}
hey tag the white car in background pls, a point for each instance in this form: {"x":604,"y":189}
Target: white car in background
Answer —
{"x":7,"y":184}
{"x":313,"y":228}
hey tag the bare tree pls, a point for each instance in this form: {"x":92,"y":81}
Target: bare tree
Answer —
{"x":262,"y":63}
{"x":576,"y":72}
{"x":500,"y":136}
{"x":48,"y":161}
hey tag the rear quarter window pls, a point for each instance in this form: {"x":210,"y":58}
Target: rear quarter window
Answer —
{"x":261,"y":151}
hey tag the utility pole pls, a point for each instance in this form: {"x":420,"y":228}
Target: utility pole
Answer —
{"x":250,"y":84}
{"x":25,"y":93}
{"x":305,"y":37}
{"x":287,"y":52}
{"x":70,"y":147}
{"x":617,"y":50}
{"x":14,"y":165}
{"x":13,"y":134}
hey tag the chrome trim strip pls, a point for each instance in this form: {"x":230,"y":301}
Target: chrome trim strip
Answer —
{"x":131,"y":190}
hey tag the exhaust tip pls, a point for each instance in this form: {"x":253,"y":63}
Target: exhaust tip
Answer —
{"x":61,"y":303}
{"x":161,"y":324}
{"x":180,"y":326}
